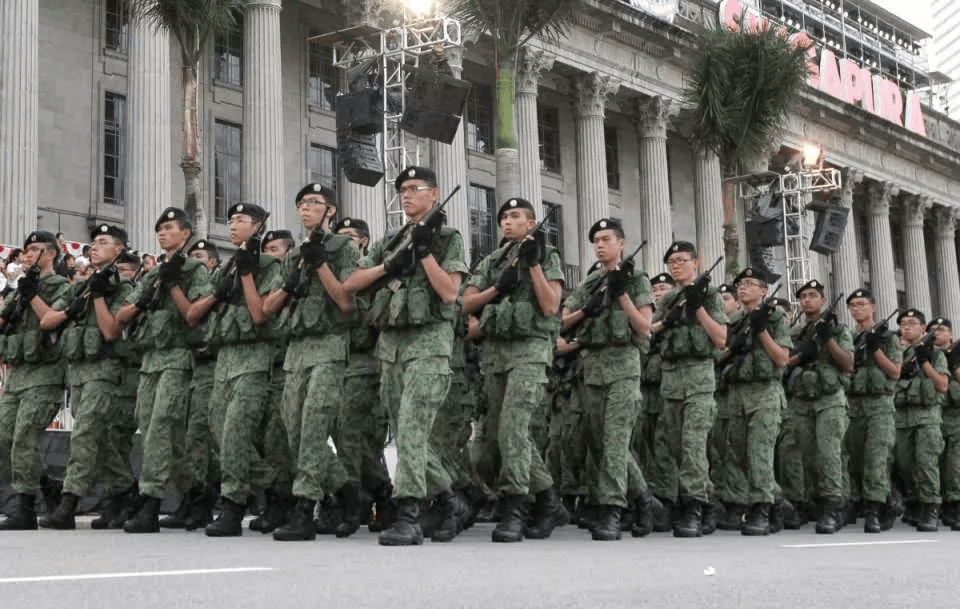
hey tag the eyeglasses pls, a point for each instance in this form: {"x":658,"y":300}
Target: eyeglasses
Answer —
{"x":750,"y":282}
{"x":413,"y":189}
{"x":678,"y":261}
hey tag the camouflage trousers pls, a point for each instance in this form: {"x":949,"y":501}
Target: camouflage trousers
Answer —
{"x":869,"y":441}
{"x":812,"y":452}
{"x":611,"y":413}
{"x":201,"y":456}
{"x":93,"y":450}
{"x":681,"y":446}
{"x":752,"y":435}
{"x":123,"y":425}
{"x":362,"y":429}
{"x":728,"y":479}
{"x":23,"y":417}
{"x":567,"y":448}
{"x":512,"y":398}
{"x":413,"y":392}
{"x":950,"y":469}
{"x":311,"y":399}
{"x":451,"y":431}
{"x":917,"y":452}
{"x":162,"y":399}
{"x":272,"y":440}
{"x":237,"y":413}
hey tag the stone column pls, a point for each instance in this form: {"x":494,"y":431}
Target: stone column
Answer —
{"x":708,"y":201}
{"x":846,"y":261}
{"x":19,"y":98}
{"x":948,"y":275}
{"x":592,"y":192}
{"x":530,"y":64}
{"x":450,"y":163}
{"x":149,"y":161}
{"x":365,"y":203}
{"x":882,"y":279}
{"x":915,"y":253}
{"x":263,"y":110}
{"x":653,"y":118}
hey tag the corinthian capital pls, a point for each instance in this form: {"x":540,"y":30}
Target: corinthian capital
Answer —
{"x":592,"y":92}
{"x":654,"y":115}
{"x":851,"y":177}
{"x":945,"y":218}
{"x":881,"y":194}
{"x":530,"y":63}
{"x":915,"y":209}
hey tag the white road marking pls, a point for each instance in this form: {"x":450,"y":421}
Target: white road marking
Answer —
{"x":84,"y":576}
{"x":860,"y":543}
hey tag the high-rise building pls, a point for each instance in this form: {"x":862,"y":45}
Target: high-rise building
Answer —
{"x":946,"y":51}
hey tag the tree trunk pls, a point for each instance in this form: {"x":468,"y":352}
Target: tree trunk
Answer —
{"x":507,"y":154}
{"x":190,"y":159}
{"x":731,"y":240}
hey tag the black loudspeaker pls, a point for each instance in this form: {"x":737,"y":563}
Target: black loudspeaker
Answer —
{"x":431,"y":124}
{"x":828,"y":230}
{"x":361,"y":111}
{"x":360,"y":157}
{"x":435,"y":103}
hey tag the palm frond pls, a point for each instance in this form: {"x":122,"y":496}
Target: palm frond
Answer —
{"x":513,"y":23}
{"x":194,"y":23}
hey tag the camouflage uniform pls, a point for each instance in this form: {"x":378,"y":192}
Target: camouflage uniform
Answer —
{"x":201,"y":456}
{"x":951,"y":435}
{"x":451,"y":429}
{"x":567,"y":452}
{"x":659,"y":468}
{"x":34,"y":387}
{"x":163,"y":392}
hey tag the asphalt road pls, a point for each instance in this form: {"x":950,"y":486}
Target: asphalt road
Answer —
{"x":110,"y":569}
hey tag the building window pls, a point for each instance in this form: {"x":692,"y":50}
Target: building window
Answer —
{"x":553,"y":227}
{"x":483,"y":222}
{"x":228,"y":56}
{"x":227,"y":166}
{"x":324,"y":82}
{"x":548,"y":126}
{"x":480,"y":119}
{"x":612,"y":147}
{"x":323,"y":165}
{"x":116,"y":31}
{"x":114,"y":149}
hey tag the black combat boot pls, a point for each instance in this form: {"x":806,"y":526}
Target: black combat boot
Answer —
{"x":663,"y":518}
{"x":25,"y":516}
{"x":607,"y":527}
{"x":830,"y":519}
{"x":889,"y":511}
{"x":301,"y":526}
{"x":929,"y":518}
{"x":588,"y":516}
{"x":690,"y":523}
{"x":851,"y":511}
{"x":449,"y":504}
{"x":473,"y":499}
{"x":643,"y":507}
{"x":911,"y":512}
{"x":109,"y":511}
{"x":778,"y":514}
{"x":62,"y":517}
{"x":230,"y":521}
{"x":50,"y":490}
{"x":948,"y":513}
{"x":510,"y":527}
{"x":178,"y":519}
{"x":329,"y":516}
{"x":203,"y":498}
{"x":405,"y":530}
{"x":384,"y":510}
{"x":276,"y":512}
{"x":710,"y":516}
{"x":956,"y":524}
{"x":758,"y":520}
{"x":548,"y":514}
{"x":131,"y":501}
{"x":871,"y":516}
{"x":350,"y":505}
{"x":796,"y":518}
{"x":570,"y":504}
{"x":733,"y":517}
{"x":147,"y":519}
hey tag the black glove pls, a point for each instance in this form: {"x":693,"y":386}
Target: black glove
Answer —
{"x":924,"y":353}
{"x":100,"y":284}
{"x":806,"y":350}
{"x":171,"y":271}
{"x":874,"y":341}
{"x":595,"y":306}
{"x":247,"y":261}
{"x":674,"y":317}
{"x":617,"y":282}
{"x":314,"y":253}
{"x":758,"y":320}
{"x":508,"y":280}
{"x":224,"y":289}
{"x":146,"y":296}
{"x":78,"y":306}
{"x":824,"y":329}
{"x":292,"y":284}
{"x":423,"y":237}
{"x":28,"y":286}
{"x":401,"y":264}
{"x":532,"y":250}
{"x":695,"y":295}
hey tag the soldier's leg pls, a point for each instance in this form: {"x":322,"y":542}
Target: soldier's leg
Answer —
{"x":488,"y":455}
{"x":294,"y":394}
{"x":318,"y":469}
{"x":762,"y":429}
{"x":93,"y":405}
{"x":855,"y":449}
{"x":831,"y":427}
{"x":800,"y":462}
{"x":242,"y":464}
{"x":619,"y":411}
{"x":352,"y":425}
{"x":737,"y":443}
{"x":162,"y":439}
{"x":879,"y":433}
{"x":276,"y":444}
{"x":8,"y":419}
{"x":448,"y":429}
{"x":904,"y":460}
{"x":950,"y":471}
{"x":199,"y":441}
{"x":38,"y":406}
{"x":693,"y":476}
{"x":669,"y":448}
{"x":426,"y":382}
{"x":926,"y":474}
{"x":118,"y":443}
{"x":524,"y":388}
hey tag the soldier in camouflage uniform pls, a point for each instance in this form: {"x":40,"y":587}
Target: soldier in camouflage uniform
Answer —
{"x":316,"y":304}
{"x":34,"y":385}
{"x":817,"y":377}
{"x":757,"y":350}
{"x":923,"y":383}
{"x":164,"y":336}
{"x":942,"y":328}
{"x":88,"y":346}
{"x":612,"y":322}
{"x":643,"y":438}
{"x":414,"y":305}
{"x":567,"y":451}
{"x":516,"y":292}
{"x":693,"y":325}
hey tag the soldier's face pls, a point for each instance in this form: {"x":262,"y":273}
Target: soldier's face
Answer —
{"x":127,"y":270}
{"x":416,"y":197}
{"x":242,"y":228}
{"x":944,"y":335}
{"x":360,"y":240}
{"x":31,"y":255}
{"x":730,"y":304}
{"x":911,"y":329}
{"x":751,"y":291}
{"x":517,"y":223}
{"x":276,"y":248}
{"x":170,"y":236}
{"x":861,"y":309}
{"x":313,"y":210}
{"x":683,"y":267}
{"x":203,"y":256}
{"x":104,"y":250}
{"x":607,"y":246}
{"x":660,"y":290}
{"x":811,"y":301}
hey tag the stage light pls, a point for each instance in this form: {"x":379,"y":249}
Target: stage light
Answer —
{"x":812,"y":155}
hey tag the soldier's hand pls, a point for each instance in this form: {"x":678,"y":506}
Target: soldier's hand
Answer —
{"x":171,"y":271}
{"x":292,"y":282}
{"x":924,"y":353}
{"x":695,"y":296}
{"x":508,"y":280}
{"x":824,"y":330}
{"x":595,"y":305}
{"x":314,"y":253}
{"x":805,"y":350}
{"x":78,"y":306}
{"x":758,"y":321}
{"x":617,"y":282}
{"x":28,"y":285}
{"x":401,"y":264}
{"x":874,"y":342}
{"x":99,"y":284}
{"x":247,"y":261}
{"x":423,"y":237}
{"x":532,"y":249}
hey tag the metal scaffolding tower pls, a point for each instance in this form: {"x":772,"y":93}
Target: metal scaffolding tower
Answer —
{"x":393,"y":54}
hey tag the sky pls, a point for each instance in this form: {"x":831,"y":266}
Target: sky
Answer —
{"x":916,"y":12}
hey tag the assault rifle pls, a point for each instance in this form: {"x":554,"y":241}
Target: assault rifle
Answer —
{"x":230,"y":271}
{"x":82,"y":301}
{"x":912,"y":367}
{"x":511,"y":257}
{"x":675,"y":312}
{"x":17,"y":308}
{"x":740,"y":336}
{"x":306,"y":273}
{"x":156,"y":292}
{"x":809,"y":333}
{"x":403,"y":240}
{"x":860,"y":344}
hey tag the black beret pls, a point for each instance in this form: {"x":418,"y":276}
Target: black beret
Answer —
{"x":315,"y":188}
{"x":251,"y":209}
{"x":111,"y":231}
{"x":939,"y":321}
{"x":515,"y":203}
{"x":40,"y":236}
{"x":129,"y":257}
{"x":415,"y":173}
{"x":204,"y":245}
{"x":680,"y":246}
{"x":913,"y":313}
{"x":750,"y":273}
{"x":274,"y":235}
{"x":861,"y":293}
{"x":172,"y":213}
{"x":814,"y":284}
{"x":783,"y":303}
{"x":604,"y":224}
{"x":355,"y":223}
{"x":663,"y":278}
{"x":725,"y":288}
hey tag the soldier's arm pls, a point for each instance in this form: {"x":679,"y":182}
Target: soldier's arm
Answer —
{"x":777,"y":353}
{"x":941,"y":380}
{"x":106,"y":321}
{"x":199,"y":309}
{"x":363,"y":278}
{"x":339,"y":292}
{"x":52,"y":320}
{"x":716,"y":331}
{"x":640,"y":318}
{"x":843,"y":358}
{"x":571,"y":317}
{"x":252,"y":299}
{"x":182,"y":303}
{"x":474,"y":299}
{"x":445,"y":284}
{"x":126,"y":313}
{"x":40,"y":308}
{"x":548,"y":292}
{"x":889,"y":367}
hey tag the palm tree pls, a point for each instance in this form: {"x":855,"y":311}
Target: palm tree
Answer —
{"x":741,"y":89}
{"x":195,"y":24}
{"x":512,"y":24}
